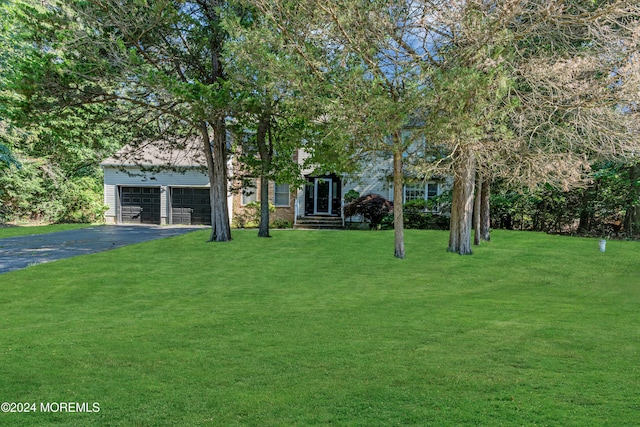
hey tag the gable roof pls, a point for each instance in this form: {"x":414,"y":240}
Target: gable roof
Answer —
{"x":160,"y":153}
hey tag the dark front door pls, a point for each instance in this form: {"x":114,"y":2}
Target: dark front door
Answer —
{"x":323,"y":187}
{"x":140,"y":205}
{"x":191,"y":206}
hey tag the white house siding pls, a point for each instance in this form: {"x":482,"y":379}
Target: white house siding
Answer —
{"x":373,"y":179}
{"x":132,"y":177}
{"x":302,"y":157}
{"x":370,"y":179}
{"x":110,"y":191}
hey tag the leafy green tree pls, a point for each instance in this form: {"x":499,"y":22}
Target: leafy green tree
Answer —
{"x":611,"y":199}
{"x":157,"y":65}
{"x":58,"y":153}
{"x":268,"y":123}
{"x":8,"y":48}
{"x":41,"y":191}
{"x":528,"y":92}
{"x":601,"y":207}
{"x":7,"y":159}
{"x":369,"y":84}
{"x":525,"y":92}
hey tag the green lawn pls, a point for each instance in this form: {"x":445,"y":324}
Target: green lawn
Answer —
{"x":39,"y":229}
{"x":327,"y":328}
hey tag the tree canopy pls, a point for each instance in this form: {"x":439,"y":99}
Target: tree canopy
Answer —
{"x":528,"y":92}
{"x":157,"y":63}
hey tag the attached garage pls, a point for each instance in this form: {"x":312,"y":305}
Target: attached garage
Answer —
{"x":158,"y":184}
{"x":140,"y":205}
{"x":190,"y":206}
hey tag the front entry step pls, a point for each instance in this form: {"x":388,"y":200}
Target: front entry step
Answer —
{"x":318,"y":222}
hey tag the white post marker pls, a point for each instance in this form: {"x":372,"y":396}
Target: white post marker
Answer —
{"x":602,"y":244}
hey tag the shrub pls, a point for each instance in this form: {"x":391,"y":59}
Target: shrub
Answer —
{"x":416,"y":215}
{"x":41,"y":191}
{"x":350,"y":196}
{"x":387,"y":222}
{"x":249,"y":215}
{"x":372,"y":208}
{"x":281,"y":223}
{"x":241,"y":219}
{"x":83,"y":202}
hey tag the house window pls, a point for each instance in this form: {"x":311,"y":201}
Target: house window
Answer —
{"x":249,"y":193}
{"x":281,"y":195}
{"x":413,"y":192}
{"x":420,"y":191}
{"x":432,"y":190}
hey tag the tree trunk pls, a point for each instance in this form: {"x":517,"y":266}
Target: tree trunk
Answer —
{"x":263,"y":228}
{"x":485,"y":211}
{"x":542,"y":216}
{"x":462,"y":202}
{"x":632,"y":215}
{"x":217,"y":152}
{"x":217,"y":167}
{"x":265,"y":160}
{"x":398,"y":215}
{"x":476,"y":211}
{"x":584,"y":224}
{"x":214,"y":159}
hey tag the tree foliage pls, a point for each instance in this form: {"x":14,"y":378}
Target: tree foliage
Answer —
{"x":269,"y":124}
{"x":529,"y":91}
{"x":523,"y":91}
{"x":155,"y":65}
{"x":42,"y":191}
{"x":606,"y":206}
{"x":367,"y":80}
{"x":49,"y":166}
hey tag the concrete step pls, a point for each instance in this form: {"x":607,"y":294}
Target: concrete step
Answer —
{"x":318,"y":222}
{"x":317,"y":227}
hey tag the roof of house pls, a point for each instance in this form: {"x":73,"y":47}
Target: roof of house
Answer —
{"x":160,"y":153}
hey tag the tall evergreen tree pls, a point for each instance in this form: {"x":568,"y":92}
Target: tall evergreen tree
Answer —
{"x":155,"y":62}
{"x":361,"y":55}
{"x":269,"y":113}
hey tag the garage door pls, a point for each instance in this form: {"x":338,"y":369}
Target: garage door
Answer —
{"x":191,"y":206}
{"x":140,"y":205}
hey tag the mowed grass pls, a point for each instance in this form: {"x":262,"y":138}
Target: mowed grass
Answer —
{"x":327,"y":328}
{"x":15,"y":231}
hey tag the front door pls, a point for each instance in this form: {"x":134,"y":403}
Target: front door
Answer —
{"x":323,"y":196}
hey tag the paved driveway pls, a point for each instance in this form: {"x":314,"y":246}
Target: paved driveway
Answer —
{"x":23,"y":251}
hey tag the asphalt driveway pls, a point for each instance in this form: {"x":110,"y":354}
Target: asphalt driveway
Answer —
{"x":23,"y":251}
